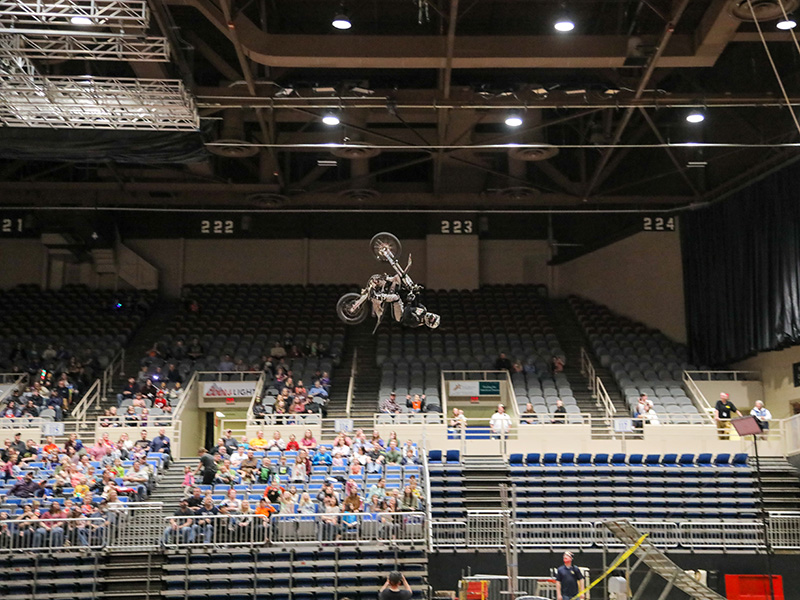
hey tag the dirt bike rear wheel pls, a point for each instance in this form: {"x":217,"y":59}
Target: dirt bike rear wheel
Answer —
{"x":347,"y":313}
{"x":384,"y":239}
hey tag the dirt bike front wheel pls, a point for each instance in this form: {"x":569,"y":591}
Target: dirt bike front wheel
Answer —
{"x":387,"y":241}
{"x":349,"y":311}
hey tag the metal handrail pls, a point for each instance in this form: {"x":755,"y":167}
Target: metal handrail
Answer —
{"x":352,"y":385}
{"x":725,"y":375}
{"x":176,"y":414}
{"x":426,"y":484}
{"x":16,"y":379}
{"x":108,"y":373}
{"x":92,"y":395}
{"x":605,"y":399}
{"x":256,"y":397}
{"x":589,"y":372}
{"x":697,"y":395}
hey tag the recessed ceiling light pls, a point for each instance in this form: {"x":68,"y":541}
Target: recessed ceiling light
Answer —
{"x":564,"y":24}
{"x":513,"y":120}
{"x":341,"y":21}
{"x":695,"y":116}
{"x":330,"y":120}
{"x":789,"y":22}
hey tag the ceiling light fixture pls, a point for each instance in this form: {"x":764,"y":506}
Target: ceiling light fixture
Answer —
{"x":696,"y":116}
{"x":330,"y":119}
{"x":80,"y":20}
{"x":787,"y":23}
{"x":341,"y":20}
{"x":513,"y":120}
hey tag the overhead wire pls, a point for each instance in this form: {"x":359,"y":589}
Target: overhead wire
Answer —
{"x":774,"y":66}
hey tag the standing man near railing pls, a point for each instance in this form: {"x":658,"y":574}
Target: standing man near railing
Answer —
{"x":500,"y":423}
{"x":569,"y":579}
{"x":722,"y":415}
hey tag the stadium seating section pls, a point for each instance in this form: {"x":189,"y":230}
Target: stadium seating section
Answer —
{"x":477,"y":326}
{"x":602,"y":486}
{"x":642,"y":361}
{"x":87,"y":323}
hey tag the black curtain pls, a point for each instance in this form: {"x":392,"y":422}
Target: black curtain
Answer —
{"x":741,"y":266}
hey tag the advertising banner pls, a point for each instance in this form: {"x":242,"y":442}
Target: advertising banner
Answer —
{"x":229,"y":389}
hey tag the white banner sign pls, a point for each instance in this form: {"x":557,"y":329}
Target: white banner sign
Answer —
{"x":464,"y":388}
{"x":229,"y":389}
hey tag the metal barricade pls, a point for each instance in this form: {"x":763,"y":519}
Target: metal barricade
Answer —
{"x":555,"y":534}
{"x":486,"y":528}
{"x":449,"y":534}
{"x":663,"y":535}
{"x":349,"y":528}
{"x":722,"y":535}
{"x":242,"y":530}
{"x":52,"y":535}
{"x":784,"y":530}
{"x":238,"y":530}
{"x":135,"y":526}
{"x":541,"y":587}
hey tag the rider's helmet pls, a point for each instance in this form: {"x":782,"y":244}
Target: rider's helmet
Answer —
{"x":432,"y":320}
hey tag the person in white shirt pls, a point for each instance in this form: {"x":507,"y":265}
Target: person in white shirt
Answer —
{"x":763,"y":415}
{"x":238,"y":457}
{"x":500,"y":423}
{"x":650,"y":416}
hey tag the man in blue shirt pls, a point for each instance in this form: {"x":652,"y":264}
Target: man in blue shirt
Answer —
{"x":569,"y":579}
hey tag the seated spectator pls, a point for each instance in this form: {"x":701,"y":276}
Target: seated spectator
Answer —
{"x":417,"y":403}
{"x":560,"y":413}
{"x":225,"y":363}
{"x":276,"y":443}
{"x":264,"y":472}
{"x":148,"y":390}
{"x":298,"y":405}
{"x":161,"y":443}
{"x":110,"y":418}
{"x":409,"y":501}
{"x":143,"y":442}
{"x":292,"y":444}
{"x":225,"y":475}
{"x":392,"y":455}
{"x":195,"y":349}
{"x":390,"y":405}
{"x":308,"y":441}
{"x":231,"y":504}
{"x":50,"y":446}
{"x":322,"y":456}
{"x":352,"y":501}
{"x":762,"y":414}
{"x":206,"y":524}
{"x":503,"y":363}
{"x":30,"y":410}
{"x":138,"y":480}
{"x":327,"y":492}
{"x":650,"y":416}
{"x":259,"y":411}
{"x":238,"y":457}
{"x":131,"y":418}
{"x":173,"y":374}
{"x":51,"y":527}
{"x":274,"y":492}
{"x":410,"y":459}
{"x":277,"y":351}
{"x":287,"y":504}
{"x":558,"y":364}
{"x":181,"y":527}
{"x":377,"y":489}
{"x":376,"y":440}
{"x":318,"y":393}
{"x":248,"y":467}
{"x":12,"y":411}
{"x":140,"y":401}
{"x":129,"y":391}
{"x":28,"y":488}
{"x":338,"y":459}
{"x":529,"y":417}
{"x":305,"y":506}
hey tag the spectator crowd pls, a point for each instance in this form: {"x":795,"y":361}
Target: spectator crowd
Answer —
{"x":240,"y":484}
{"x":69,"y":495}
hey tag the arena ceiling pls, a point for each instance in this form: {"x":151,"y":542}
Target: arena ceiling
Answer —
{"x":200,"y":103}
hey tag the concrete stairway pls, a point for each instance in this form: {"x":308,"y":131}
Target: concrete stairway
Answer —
{"x":482,"y":478}
{"x":170,"y":486}
{"x":368,"y":376}
{"x":780,"y":483}
{"x":572,"y":338}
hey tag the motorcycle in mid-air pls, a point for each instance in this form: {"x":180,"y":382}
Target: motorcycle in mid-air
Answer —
{"x":397,"y":294}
